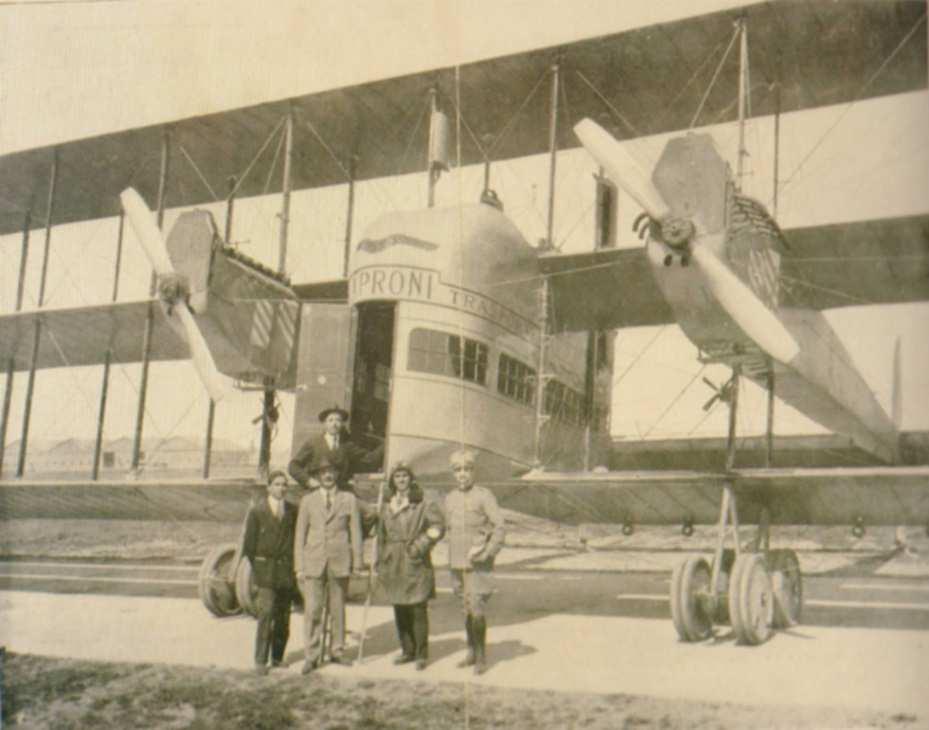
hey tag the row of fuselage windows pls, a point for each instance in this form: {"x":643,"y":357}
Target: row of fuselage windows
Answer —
{"x":441,"y":353}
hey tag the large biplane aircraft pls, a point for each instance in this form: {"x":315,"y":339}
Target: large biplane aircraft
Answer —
{"x":449,"y":328}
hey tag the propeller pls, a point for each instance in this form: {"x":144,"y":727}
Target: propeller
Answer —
{"x":722,"y":393}
{"x":177,"y":313}
{"x":741,"y":303}
{"x":736,"y":297}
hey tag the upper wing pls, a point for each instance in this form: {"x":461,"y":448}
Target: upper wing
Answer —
{"x":77,"y":336}
{"x":603,"y":290}
{"x":836,"y":496}
{"x":847,"y":264}
{"x":372,"y":121}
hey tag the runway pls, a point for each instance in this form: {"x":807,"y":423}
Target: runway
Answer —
{"x":864,"y":641}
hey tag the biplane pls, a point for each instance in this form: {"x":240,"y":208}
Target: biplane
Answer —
{"x":450,"y":328}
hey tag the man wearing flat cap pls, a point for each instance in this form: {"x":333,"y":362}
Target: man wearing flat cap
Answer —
{"x":327,"y":548}
{"x":334,"y":442}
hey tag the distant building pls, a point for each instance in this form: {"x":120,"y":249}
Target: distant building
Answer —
{"x":175,"y":454}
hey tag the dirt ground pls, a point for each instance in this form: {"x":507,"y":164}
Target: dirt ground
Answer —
{"x":60,"y":693}
{"x":42,"y":692}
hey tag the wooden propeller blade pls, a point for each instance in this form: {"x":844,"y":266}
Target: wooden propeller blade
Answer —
{"x":621,"y":167}
{"x":741,"y":303}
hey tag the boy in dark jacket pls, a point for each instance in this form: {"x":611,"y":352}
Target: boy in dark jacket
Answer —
{"x":268,"y":545}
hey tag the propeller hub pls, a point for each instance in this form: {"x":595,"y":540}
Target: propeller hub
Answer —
{"x":173,"y":288}
{"x":677,"y":232}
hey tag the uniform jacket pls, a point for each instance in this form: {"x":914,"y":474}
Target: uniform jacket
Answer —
{"x":352,"y":458}
{"x":404,"y":564}
{"x":473,"y":519}
{"x":327,"y":537}
{"x":268,"y":544}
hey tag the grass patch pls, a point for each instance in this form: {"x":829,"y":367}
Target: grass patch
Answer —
{"x":43,"y":692}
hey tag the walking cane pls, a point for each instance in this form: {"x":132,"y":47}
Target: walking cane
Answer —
{"x":371,"y":574}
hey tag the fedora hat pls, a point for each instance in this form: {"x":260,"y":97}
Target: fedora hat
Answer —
{"x":324,"y":414}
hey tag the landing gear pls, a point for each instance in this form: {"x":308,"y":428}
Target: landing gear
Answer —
{"x":752,"y":587}
{"x":757,"y":590}
{"x":227,"y":585}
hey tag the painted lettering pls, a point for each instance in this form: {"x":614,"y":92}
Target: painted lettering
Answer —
{"x":401,"y":282}
{"x":396,"y":283}
{"x":364,"y":278}
{"x":377,"y":282}
{"x":416,"y":283}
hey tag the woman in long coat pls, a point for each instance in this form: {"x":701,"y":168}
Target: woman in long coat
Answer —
{"x":408,"y":529}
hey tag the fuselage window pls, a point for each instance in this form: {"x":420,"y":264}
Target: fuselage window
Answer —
{"x":563,"y":403}
{"x":516,"y":380}
{"x":437,"y":352}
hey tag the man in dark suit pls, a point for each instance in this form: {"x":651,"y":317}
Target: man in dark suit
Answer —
{"x":334,"y":442}
{"x":268,"y":544}
{"x":327,"y":547}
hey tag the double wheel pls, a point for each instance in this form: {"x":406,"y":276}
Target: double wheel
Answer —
{"x":762,"y":593}
{"x":226,"y":584}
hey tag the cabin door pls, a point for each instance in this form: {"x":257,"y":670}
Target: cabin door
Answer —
{"x":323,"y":365}
{"x":373,"y":371}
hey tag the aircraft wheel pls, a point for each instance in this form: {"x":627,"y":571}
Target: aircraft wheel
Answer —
{"x":690,"y":598}
{"x":751,"y":599}
{"x":245,"y":589}
{"x":787,"y":583}
{"x":215,"y":583}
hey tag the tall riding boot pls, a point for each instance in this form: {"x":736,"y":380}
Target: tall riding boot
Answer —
{"x":469,"y":659}
{"x":479,"y":628}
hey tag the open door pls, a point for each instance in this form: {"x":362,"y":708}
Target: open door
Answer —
{"x":373,"y":371}
{"x":323,"y":365}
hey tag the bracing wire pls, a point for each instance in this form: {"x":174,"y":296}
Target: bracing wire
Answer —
{"x":719,"y":68}
{"x":864,"y":88}
{"x":241,"y":178}
{"x":618,"y":114}
{"x":674,"y":401}
{"x":199,"y":173}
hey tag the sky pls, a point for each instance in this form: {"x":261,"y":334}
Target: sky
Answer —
{"x":73,"y":70}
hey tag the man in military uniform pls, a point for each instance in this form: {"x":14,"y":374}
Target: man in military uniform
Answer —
{"x":475,"y":535}
{"x":327,"y":547}
{"x":334,"y":442}
{"x":268,"y":545}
